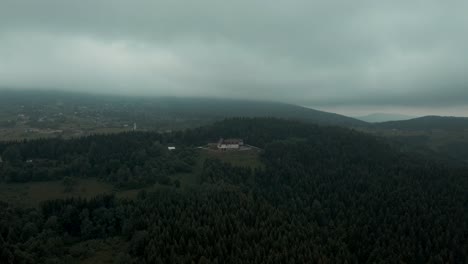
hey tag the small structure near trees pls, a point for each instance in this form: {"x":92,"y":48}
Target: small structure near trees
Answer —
{"x":231,"y":143}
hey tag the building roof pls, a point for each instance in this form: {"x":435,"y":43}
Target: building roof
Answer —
{"x":231,"y":141}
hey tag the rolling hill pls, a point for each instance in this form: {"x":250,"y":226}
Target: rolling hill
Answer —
{"x":147,"y":111}
{"x":428,"y":123}
{"x":203,"y":107}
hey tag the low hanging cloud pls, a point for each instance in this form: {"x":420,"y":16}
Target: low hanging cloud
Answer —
{"x":317,"y":53}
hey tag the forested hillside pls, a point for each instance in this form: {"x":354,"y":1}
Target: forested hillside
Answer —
{"x":445,"y":137}
{"x":428,"y":123}
{"x":323,"y":195}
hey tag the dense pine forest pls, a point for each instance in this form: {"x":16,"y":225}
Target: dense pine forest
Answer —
{"x":323,"y":195}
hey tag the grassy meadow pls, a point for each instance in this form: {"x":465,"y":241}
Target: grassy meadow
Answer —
{"x":31,"y":194}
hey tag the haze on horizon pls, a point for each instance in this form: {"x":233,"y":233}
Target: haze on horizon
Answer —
{"x":350,"y":57}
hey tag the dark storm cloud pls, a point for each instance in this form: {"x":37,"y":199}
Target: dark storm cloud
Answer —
{"x":408,"y":53}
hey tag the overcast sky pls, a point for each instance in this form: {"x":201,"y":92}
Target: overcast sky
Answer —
{"x":352,"y":57}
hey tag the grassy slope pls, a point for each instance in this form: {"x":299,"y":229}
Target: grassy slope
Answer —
{"x":249,"y":158}
{"x":237,"y":158}
{"x":31,"y":194}
{"x":102,"y":251}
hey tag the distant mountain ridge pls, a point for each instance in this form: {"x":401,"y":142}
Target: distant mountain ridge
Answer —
{"x":427,"y":123}
{"x":181,"y":107}
{"x":222,"y":108}
{"x":384,"y":117}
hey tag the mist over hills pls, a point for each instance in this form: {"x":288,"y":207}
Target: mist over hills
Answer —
{"x":384,"y":117}
{"x":222,"y":108}
{"x":176,"y":107}
{"x":212,"y":109}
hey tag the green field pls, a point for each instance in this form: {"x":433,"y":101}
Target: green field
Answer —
{"x":97,"y":251}
{"x":31,"y":194}
{"x":247,"y":158}
{"x":244,"y":158}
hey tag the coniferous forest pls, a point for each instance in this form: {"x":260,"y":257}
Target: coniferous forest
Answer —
{"x":323,"y":195}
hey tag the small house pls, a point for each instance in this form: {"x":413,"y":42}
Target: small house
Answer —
{"x":232,"y":143}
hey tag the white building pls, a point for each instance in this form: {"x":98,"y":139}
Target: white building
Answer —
{"x":171,"y":148}
{"x":232,"y":143}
